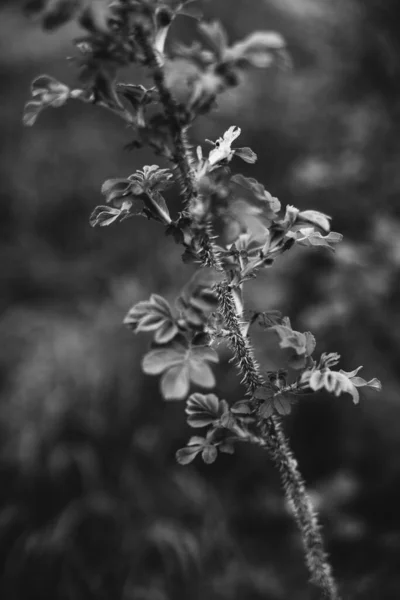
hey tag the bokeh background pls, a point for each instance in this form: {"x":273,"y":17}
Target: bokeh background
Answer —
{"x":92,"y":503}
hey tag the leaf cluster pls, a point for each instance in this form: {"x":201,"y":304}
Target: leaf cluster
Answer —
{"x":112,"y":40}
{"x":181,"y":349}
{"x":229,"y":221}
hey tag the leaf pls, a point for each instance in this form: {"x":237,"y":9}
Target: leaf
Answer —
{"x":282,"y":405}
{"x":246,"y":154}
{"x":181,"y":365}
{"x":142,"y":186}
{"x":192,"y":315}
{"x":186,"y":455}
{"x":49,"y":89}
{"x":241,"y":408}
{"x":158,"y":361}
{"x":297,"y":361}
{"x":266,"y":409}
{"x":197,"y":440}
{"x":315,"y":379}
{"x":241,"y":411}
{"x":157,"y":207}
{"x":166,"y":332}
{"x":374,"y":383}
{"x":32,"y":110}
{"x":266,"y":318}
{"x":310,"y":237}
{"x":227,"y":448}
{"x":316,"y":218}
{"x":259,"y":49}
{"x":149,"y":323}
{"x":115,"y":188}
{"x":265,"y":392}
{"x":216,"y":37}
{"x":153,"y":315}
{"x":209,"y":454}
{"x":201,"y":374}
{"x":202,"y":410}
{"x":46,"y":91}
{"x":289,"y":220}
{"x":161,"y":302}
{"x":338,"y":382}
{"x":194,"y":446}
{"x":291,"y":339}
{"x":330,"y":359}
{"x":310,"y":343}
{"x":198,"y":298}
{"x":175,"y":383}
{"x":138,"y":97}
{"x":257,"y":192}
{"x":152,"y":178}
{"x":350,"y":374}
{"x":201,"y":353}
{"x":106,"y":215}
{"x":300,"y":360}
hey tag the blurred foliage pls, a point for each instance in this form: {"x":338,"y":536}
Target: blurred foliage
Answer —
{"x":92,"y":502}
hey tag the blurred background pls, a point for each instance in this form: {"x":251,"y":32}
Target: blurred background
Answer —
{"x":92,"y":502}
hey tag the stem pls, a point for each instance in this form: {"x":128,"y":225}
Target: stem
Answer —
{"x":183,"y":156}
{"x":246,"y":362}
{"x":208,"y":253}
{"x":272,"y":438}
{"x":303,"y":511}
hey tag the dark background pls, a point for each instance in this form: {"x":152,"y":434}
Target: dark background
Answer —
{"x":92,"y":503}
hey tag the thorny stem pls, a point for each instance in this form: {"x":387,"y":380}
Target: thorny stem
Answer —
{"x":246,"y":362}
{"x":272,"y":438}
{"x":182,"y":155}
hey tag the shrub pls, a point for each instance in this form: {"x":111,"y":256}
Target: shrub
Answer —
{"x":229,"y":225}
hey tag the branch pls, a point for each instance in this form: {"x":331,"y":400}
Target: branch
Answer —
{"x":209,"y":255}
{"x":183,"y":156}
{"x":272,"y":438}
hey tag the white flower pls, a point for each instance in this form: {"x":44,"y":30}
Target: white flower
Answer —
{"x":222,"y":147}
